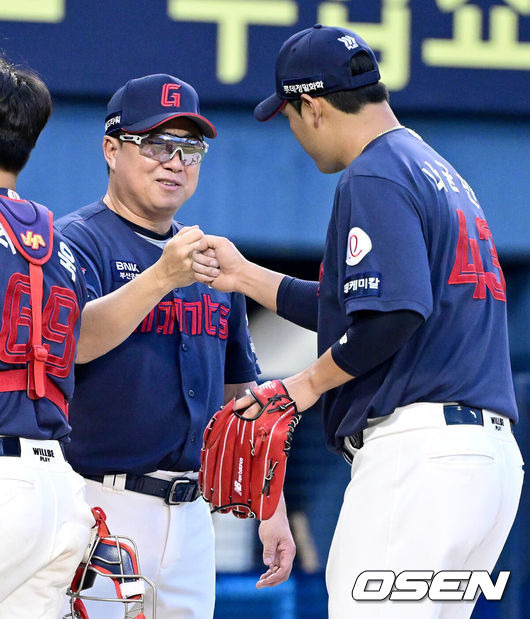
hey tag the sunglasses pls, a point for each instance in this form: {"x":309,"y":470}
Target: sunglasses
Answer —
{"x":163,"y":146}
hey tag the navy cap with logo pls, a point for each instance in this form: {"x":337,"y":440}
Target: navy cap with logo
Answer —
{"x":316,"y":61}
{"x":146,"y":102}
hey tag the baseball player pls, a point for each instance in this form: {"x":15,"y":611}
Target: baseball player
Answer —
{"x":410,"y":310}
{"x":140,"y":411}
{"x":44,"y":520}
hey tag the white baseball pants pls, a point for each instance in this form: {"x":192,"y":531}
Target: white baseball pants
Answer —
{"x":176,"y":551}
{"x":45,"y":526}
{"x":428,"y":496}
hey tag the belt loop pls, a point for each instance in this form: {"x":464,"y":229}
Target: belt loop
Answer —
{"x":114,"y":482}
{"x":10,"y":446}
{"x":351,"y":446}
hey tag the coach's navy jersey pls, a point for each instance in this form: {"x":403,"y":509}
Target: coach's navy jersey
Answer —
{"x":144,"y":405}
{"x":64,"y":296}
{"x":407,"y":233}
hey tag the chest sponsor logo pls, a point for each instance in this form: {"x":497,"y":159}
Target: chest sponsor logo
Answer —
{"x":363,"y":285}
{"x":359,"y":244}
{"x":124,"y":270}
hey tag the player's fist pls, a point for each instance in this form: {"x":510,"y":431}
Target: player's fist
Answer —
{"x":174,"y":267}
{"x":226,"y":257}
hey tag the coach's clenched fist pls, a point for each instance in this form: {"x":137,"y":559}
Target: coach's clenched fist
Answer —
{"x":174,"y":268}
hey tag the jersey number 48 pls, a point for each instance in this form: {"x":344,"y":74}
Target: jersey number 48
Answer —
{"x":466,"y":272}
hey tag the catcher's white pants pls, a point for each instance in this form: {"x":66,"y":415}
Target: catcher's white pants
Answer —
{"x":423,"y":495}
{"x":44,"y":527}
{"x":176,"y":551}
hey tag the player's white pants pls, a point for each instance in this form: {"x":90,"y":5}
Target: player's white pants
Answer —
{"x":44,"y":529}
{"x":175,"y":547}
{"x":423,"y":496}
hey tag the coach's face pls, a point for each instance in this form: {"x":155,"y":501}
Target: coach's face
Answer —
{"x":150,"y":189}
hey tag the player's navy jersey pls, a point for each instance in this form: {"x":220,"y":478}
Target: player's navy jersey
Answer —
{"x":407,"y":233}
{"x":144,"y":405}
{"x":64,"y":296}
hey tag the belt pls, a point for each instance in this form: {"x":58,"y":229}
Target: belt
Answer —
{"x":453,"y":414}
{"x":173,"y":491}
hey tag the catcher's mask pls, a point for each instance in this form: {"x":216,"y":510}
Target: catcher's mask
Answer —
{"x":114,"y":557}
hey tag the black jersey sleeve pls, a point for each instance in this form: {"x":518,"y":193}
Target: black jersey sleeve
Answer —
{"x":373,"y":338}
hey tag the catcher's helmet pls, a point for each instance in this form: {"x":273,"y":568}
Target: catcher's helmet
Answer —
{"x":114,"y":557}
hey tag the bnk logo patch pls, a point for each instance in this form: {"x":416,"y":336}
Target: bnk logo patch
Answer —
{"x":124,"y":270}
{"x":359,"y":244}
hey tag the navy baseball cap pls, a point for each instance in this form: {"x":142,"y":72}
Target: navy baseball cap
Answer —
{"x":146,"y":102}
{"x":316,"y":61}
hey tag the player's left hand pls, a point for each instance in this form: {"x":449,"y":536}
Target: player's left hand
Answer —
{"x":299,"y":388}
{"x":278,"y":548}
{"x":243,"y":461}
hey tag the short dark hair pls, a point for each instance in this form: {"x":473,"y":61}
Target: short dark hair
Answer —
{"x":352,"y":101}
{"x":25,"y":106}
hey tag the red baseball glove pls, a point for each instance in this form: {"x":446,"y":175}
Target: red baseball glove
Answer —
{"x":243,"y":460}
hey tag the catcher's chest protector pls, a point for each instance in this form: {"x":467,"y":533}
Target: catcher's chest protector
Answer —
{"x":30,"y":227}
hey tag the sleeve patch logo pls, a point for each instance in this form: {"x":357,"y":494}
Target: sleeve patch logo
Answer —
{"x":359,"y":244}
{"x":363,"y":285}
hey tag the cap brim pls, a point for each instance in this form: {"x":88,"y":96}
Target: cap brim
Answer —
{"x":268,"y":108}
{"x":204,"y":124}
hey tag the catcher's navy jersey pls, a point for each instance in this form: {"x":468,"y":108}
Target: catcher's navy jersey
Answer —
{"x":158,"y":389}
{"x":64,"y":296}
{"x":407,"y":233}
